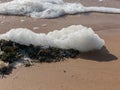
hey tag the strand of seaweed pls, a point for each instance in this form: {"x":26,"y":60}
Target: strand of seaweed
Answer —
{"x":12,"y":52}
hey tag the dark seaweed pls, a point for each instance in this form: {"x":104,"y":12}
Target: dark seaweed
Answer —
{"x":13,"y":51}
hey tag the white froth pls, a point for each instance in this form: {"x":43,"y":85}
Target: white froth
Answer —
{"x":75,"y":37}
{"x":48,"y":8}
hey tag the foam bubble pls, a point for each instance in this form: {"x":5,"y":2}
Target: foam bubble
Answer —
{"x":48,"y":8}
{"x":76,"y":37}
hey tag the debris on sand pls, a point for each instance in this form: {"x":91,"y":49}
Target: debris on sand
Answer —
{"x":11,"y":52}
{"x":5,"y":68}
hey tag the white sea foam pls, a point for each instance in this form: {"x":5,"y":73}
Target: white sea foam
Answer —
{"x":48,"y":8}
{"x":76,"y":37}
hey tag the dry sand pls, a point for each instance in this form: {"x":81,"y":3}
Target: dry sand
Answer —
{"x":90,"y":71}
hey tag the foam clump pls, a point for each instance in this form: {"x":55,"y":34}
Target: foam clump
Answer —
{"x":48,"y":8}
{"x":75,"y":37}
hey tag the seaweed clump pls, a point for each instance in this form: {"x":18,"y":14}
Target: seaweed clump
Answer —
{"x":11,"y":52}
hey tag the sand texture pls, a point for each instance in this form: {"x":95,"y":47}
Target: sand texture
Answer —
{"x":89,"y":71}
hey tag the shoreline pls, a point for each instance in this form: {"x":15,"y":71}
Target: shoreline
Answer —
{"x":92,"y":71}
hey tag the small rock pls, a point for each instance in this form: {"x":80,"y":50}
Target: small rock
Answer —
{"x":44,"y":25}
{"x":35,"y":28}
{"x":22,"y":20}
{"x":64,"y":71}
{"x":2,"y":22}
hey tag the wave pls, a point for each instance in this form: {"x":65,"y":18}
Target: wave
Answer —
{"x":75,"y":37}
{"x":48,"y":8}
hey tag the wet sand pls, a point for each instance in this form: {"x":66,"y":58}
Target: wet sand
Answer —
{"x":90,"y":71}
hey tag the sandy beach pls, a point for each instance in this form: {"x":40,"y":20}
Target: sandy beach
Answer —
{"x":89,"y":71}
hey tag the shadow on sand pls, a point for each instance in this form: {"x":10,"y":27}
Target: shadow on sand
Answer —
{"x":102,"y":55}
